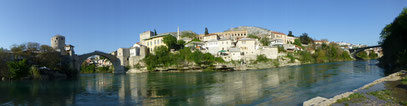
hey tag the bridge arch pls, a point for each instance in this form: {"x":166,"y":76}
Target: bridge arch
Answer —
{"x":353,"y":52}
{"x":115,"y":61}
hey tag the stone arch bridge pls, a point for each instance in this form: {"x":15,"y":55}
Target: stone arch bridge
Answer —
{"x":118,"y":68}
{"x":353,"y":52}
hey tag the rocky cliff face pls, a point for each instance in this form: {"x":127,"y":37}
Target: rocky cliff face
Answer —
{"x":174,"y":33}
{"x":251,"y":30}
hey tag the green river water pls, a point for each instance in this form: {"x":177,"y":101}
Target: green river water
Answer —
{"x":277,"y":86}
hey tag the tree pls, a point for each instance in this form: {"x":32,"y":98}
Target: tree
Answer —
{"x":393,"y":42}
{"x":206,"y":31}
{"x":265,"y":41}
{"x":18,"y":69}
{"x":305,"y":39}
{"x":4,"y":57}
{"x":297,"y":42}
{"x":32,"y":46}
{"x":180,"y":44}
{"x":170,"y":41}
{"x":46,"y":48}
{"x":17,"y":49}
{"x":290,"y":34}
{"x":155,"y":32}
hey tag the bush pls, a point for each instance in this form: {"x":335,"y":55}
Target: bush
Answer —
{"x":35,"y":72}
{"x":163,"y":58}
{"x":291,"y":57}
{"x":276,"y":63}
{"x":88,"y":68}
{"x":265,"y":41}
{"x":330,"y":53}
{"x":373,"y":55}
{"x":306,"y":57}
{"x":261,"y":58}
{"x":281,"y":49}
{"x":18,"y":69}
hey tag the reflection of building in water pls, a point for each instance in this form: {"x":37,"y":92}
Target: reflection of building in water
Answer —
{"x":102,"y":81}
{"x":135,"y":90}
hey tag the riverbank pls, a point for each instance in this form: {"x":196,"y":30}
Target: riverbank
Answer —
{"x":368,"y":94}
{"x":218,"y":67}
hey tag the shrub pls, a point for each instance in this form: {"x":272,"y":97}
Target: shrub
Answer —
{"x":18,"y":69}
{"x":261,"y":58}
{"x":291,"y":57}
{"x":35,"y":72}
{"x":281,"y":49}
{"x":306,"y":57}
{"x":276,"y":63}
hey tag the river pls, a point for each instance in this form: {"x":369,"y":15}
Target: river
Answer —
{"x":277,"y":86}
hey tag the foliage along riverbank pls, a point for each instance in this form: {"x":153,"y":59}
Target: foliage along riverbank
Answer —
{"x":33,"y":61}
{"x":393,"y":42}
{"x":186,"y":59}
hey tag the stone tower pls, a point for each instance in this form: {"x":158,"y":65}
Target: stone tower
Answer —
{"x":58,"y":43}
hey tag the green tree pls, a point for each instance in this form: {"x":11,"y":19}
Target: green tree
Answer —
{"x":170,"y":41}
{"x":291,"y":57}
{"x":290,"y":34}
{"x":18,"y":69}
{"x":297,"y":42}
{"x":4,"y":58}
{"x":265,"y":41}
{"x":305,"y":39}
{"x":206,"y":31}
{"x":306,"y":57}
{"x":180,"y":44}
{"x":393,"y":42}
{"x":155,"y":32}
{"x":373,"y":55}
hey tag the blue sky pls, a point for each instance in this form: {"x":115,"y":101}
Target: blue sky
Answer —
{"x":106,"y":25}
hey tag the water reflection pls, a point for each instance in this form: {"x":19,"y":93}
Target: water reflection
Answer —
{"x":278,"y":86}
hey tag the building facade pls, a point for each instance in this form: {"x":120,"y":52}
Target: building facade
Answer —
{"x":58,"y":44}
{"x":146,"y":35}
{"x":137,"y":54}
{"x":123,"y":55}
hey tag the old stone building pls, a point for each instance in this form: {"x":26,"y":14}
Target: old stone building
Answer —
{"x":137,"y":54}
{"x":123,"y":55}
{"x":58,"y":43}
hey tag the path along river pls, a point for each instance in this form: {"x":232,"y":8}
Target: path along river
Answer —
{"x":290,"y":85}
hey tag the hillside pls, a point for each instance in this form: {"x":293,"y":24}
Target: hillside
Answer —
{"x":251,"y":30}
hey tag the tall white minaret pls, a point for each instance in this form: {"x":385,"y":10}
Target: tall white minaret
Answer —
{"x":178,"y":34}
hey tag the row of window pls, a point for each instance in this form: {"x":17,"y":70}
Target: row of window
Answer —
{"x":150,"y":43}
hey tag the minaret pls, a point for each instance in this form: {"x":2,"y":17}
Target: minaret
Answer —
{"x":178,"y":34}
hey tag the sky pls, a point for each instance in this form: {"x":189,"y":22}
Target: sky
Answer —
{"x":106,"y":25}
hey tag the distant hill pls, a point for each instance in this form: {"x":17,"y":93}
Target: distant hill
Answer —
{"x":251,"y":30}
{"x":174,"y":33}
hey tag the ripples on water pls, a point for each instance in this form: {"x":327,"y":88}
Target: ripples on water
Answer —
{"x":277,"y":86}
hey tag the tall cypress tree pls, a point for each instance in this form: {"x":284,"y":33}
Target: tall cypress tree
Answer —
{"x":206,"y":31}
{"x":290,"y":34}
{"x":155,"y":32}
